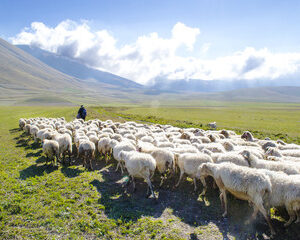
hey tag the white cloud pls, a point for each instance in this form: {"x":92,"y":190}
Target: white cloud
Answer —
{"x":151,"y":57}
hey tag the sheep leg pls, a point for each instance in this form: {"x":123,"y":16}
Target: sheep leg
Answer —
{"x":91,"y":166}
{"x":264,"y":213}
{"x":202,"y":179}
{"x":162,"y":178}
{"x":291,"y":214}
{"x":122,"y":170}
{"x":253,"y":216}
{"x":195,"y":184}
{"x":150,"y":186}
{"x":85,"y":162}
{"x":181,"y":175}
{"x":133,"y":184}
{"x":106,"y":158}
{"x":223,"y":194}
{"x":117,"y":166}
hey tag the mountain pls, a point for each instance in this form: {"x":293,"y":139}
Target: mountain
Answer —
{"x":76,"y":69}
{"x":25,"y":79}
{"x":196,"y":85}
{"x":20,"y":71}
{"x":261,"y":94}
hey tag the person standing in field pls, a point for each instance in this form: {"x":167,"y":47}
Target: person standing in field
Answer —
{"x":81,"y":112}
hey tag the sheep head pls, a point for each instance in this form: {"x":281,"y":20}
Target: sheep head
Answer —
{"x":246,"y":154}
{"x":225,"y":133}
{"x":203,"y":171}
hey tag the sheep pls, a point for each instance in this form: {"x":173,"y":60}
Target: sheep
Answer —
{"x":33,"y":131}
{"x":284,"y":153}
{"x":212,"y":125}
{"x":225,"y":133}
{"x":230,"y":147}
{"x":247,"y":136}
{"x":87,"y":150}
{"x":117,"y":137}
{"x":145,"y":147}
{"x":139,"y":165}
{"x":285,"y":192}
{"x":235,"y":158}
{"x":65,"y":145}
{"x":147,"y":139}
{"x":214,"y":147}
{"x":164,"y":160}
{"x":22,"y":123}
{"x":188,"y":163}
{"x":94,"y":139}
{"x":186,"y":135}
{"x":43,"y":134}
{"x":122,"y":146}
{"x":104,"y":147}
{"x":288,"y":146}
{"x":273,"y":166}
{"x":165,"y":145}
{"x":242,"y":182}
{"x":51,"y":150}
{"x":267,"y":145}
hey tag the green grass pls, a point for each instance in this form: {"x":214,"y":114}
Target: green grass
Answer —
{"x":38,"y":201}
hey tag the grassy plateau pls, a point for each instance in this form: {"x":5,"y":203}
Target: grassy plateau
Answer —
{"x":38,"y":201}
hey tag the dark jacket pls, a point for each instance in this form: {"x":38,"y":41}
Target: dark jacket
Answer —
{"x":82,"y":113}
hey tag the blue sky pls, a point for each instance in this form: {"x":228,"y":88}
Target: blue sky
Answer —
{"x":225,"y":26}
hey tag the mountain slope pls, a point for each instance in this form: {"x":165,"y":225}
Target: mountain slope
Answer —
{"x":262,"y":94}
{"x":196,"y":85}
{"x":76,"y":69}
{"x":20,"y":71}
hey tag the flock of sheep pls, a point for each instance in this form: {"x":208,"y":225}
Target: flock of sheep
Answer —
{"x":265,"y":173}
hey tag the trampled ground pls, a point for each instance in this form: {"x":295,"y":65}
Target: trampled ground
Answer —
{"x":38,"y":201}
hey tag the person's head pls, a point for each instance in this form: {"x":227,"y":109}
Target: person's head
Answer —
{"x":81,"y":106}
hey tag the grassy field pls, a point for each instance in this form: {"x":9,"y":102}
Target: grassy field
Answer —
{"x":38,"y":201}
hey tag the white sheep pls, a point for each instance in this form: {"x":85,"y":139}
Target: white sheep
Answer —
{"x":104,"y":148}
{"x":139,"y":165}
{"x":285,"y":192}
{"x":270,"y":165}
{"x":164,"y":160}
{"x":65,"y":145}
{"x":284,"y":153}
{"x":87,"y":150}
{"x":247,"y":136}
{"x":22,"y":123}
{"x":235,"y":158}
{"x":122,"y":146}
{"x":51,"y":150}
{"x":212,"y":125}
{"x":33,"y":131}
{"x":188,"y":163}
{"x":242,"y":182}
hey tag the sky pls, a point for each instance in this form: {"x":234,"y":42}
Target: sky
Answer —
{"x":147,"y":40}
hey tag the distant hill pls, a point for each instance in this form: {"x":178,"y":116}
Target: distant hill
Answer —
{"x":262,"y":94}
{"x":24,"y":79}
{"x":76,"y":69}
{"x":21,"y":72}
{"x":197,"y":85}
